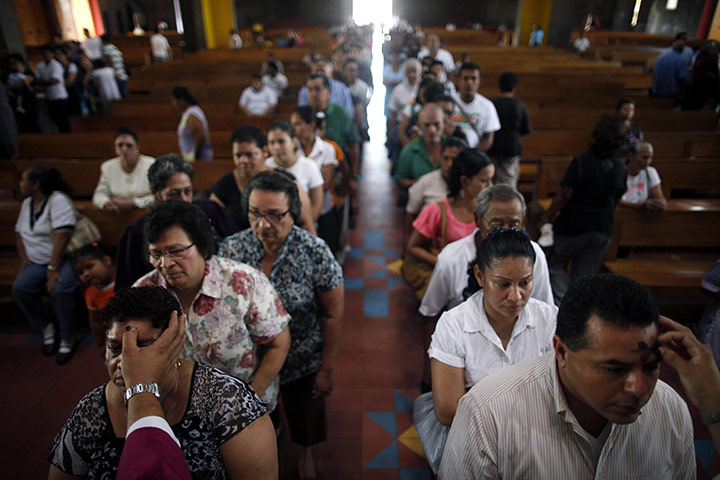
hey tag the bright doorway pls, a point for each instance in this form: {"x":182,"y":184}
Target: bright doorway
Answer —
{"x":378,"y":12}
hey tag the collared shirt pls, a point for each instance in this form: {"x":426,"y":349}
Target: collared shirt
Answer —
{"x":516,"y":423}
{"x":671,"y":66}
{"x":322,"y":154}
{"x":52,"y":70}
{"x":305,"y":267}
{"x":278,"y":83}
{"x":116,"y":59}
{"x":401,"y":96}
{"x":414,"y":160}
{"x":258,"y":101}
{"x":449,"y":277}
{"x":116,"y":182}
{"x":235,"y":310}
{"x":443,"y":55}
{"x":430,"y":188}
{"x":36,"y":228}
{"x":339,"y":95}
{"x":465,"y":339}
{"x":340,"y":128}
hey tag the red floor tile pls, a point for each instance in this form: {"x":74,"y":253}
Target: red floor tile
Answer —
{"x":344,"y":425}
{"x":378,"y":400}
{"x":371,"y":447}
{"x":370,"y":429}
{"x":345,"y":400}
{"x":380,"y":474}
{"x":409,"y":459}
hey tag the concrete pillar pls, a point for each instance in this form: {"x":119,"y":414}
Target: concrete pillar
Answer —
{"x":11,"y":38}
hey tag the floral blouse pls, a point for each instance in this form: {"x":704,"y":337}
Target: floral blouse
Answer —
{"x":305,"y":268}
{"x":219,"y":407}
{"x":235,"y":310}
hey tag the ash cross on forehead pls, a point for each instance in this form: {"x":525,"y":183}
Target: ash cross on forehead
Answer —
{"x":642,"y":346}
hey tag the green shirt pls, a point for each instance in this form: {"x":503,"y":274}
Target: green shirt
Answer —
{"x":414,"y":161}
{"x":340,"y":128}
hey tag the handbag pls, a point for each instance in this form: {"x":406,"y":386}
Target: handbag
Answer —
{"x":416,"y":272}
{"x":433,"y":434}
{"x":85,"y":231}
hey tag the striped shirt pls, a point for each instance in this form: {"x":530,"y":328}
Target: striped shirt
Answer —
{"x":517,"y":424}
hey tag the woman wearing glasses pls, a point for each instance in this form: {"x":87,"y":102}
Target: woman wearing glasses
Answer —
{"x":498,"y":325}
{"x":309,"y":281}
{"x":232,"y":310}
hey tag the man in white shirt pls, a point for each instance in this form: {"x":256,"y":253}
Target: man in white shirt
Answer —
{"x":235,"y":41}
{"x":476,"y":114}
{"x":275,"y":80}
{"x":592,"y":408}
{"x":498,"y":206}
{"x":359,"y":90}
{"x":432,"y":49}
{"x":123,"y":184}
{"x":92,"y":46}
{"x":403,"y":92}
{"x":159,"y":47}
{"x":49,"y":74}
{"x":257,"y":99}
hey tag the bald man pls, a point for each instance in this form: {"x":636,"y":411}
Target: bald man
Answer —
{"x":422,"y":155}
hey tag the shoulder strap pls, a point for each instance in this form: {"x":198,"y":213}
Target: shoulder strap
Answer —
{"x":443,"y":222}
{"x":467,"y":118}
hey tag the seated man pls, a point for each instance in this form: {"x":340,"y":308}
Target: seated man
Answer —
{"x":258,"y":98}
{"x":275,"y":80}
{"x":170,"y":177}
{"x":403,"y":92}
{"x":339,"y":93}
{"x":422,"y":155}
{"x":670,"y":72}
{"x":591,"y":408}
{"x":123,"y":184}
{"x":433,"y":49}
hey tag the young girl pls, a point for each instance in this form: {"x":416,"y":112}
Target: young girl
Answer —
{"x":95,"y":268}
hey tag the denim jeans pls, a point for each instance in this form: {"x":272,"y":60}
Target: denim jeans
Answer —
{"x":28,"y":288}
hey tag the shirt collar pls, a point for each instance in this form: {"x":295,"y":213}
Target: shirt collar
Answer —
{"x":480,"y":322}
{"x":211,"y":288}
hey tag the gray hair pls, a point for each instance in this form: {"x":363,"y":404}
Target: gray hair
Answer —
{"x":414,"y":63}
{"x":500,"y":193}
{"x":165,"y":167}
{"x":635,"y":146}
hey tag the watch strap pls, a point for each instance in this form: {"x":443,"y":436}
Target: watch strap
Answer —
{"x":153,"y":388}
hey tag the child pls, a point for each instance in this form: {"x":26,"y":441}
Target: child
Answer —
{"x":95,"y":268}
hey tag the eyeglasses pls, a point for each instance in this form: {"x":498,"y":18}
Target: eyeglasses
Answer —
{"x":176,"y":253}
{"x":270,"y":217}
{"x":503,"y":224}
{"x":124,"y":144}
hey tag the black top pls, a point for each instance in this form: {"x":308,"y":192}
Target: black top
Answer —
{"x":226,"y":189}
{"x":597,"y":186}
{"x":132,"y":260}
{"x":514,"y":123}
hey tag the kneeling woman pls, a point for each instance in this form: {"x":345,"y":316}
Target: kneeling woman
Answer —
{"x":498,"y":325}
{"x":220,"y":422}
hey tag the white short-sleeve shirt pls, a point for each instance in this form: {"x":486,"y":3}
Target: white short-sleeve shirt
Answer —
{"x":639,"y":186}
{"x":443,"y":55}
{"x":464,"y":338}
{"x":449,"y":277}
{"x":306,"y":172}
{"x":481,"y":113}
{"x":430,"y":188}
{"x":322,"y":154}
{"x":258,"y":101}
{"x":57,"y":213}
{"x":48,"y":71}
{"x":278,"y":83}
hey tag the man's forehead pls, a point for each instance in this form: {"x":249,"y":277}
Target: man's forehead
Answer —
{"x":624,"y":344}
{"x":513,"y":208}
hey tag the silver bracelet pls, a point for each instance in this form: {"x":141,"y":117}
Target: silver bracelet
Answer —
{"x":52,"y":268}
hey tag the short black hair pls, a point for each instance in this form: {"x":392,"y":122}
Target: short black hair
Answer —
{"x":500,"y":244}
{"x":48,"y":47}
{"x":105,"y":37}
{"x":165,"y":167}
{"x":283,"y":126}
{"x":95,"y":250}
{"x":249,"y":134}
{"x":442,"y":97}
{"x":272,"y":65}
{"x":315,"y":76}
{"x":470,"y":66}
{"x":49,"y":179}
{"x":624,"y":101}
{"x":182,"y":93}
{"x":468,"y":163}
{"x":454,"y":142}
{"x":272,"y":181}
{"x":608,"y":136}
{"x":256,"y":76}
{"x":153,"y":304}
{"x":437,"y":62}
{"x":679,"y":35}
{"x":508,"y":81}
{"x":190,"y":218}
{"x":615,"y":299}
{"x":308,"y":115}
{"x":126,"y":131}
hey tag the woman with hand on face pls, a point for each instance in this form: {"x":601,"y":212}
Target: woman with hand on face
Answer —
{"x":309,"y":282}
{"x":497,"y":325}
{"x":450,"y":219}
{"x":281,"y":142}
{"x":235,"y":320}
{"x":220,"y":423}
{"x":42,"y":233}
{"x":249,"y":148}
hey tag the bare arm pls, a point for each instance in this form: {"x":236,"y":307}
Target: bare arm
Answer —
{"x":418,"y":247}
{"x":252,"y":453}
{"x":559,"y":201}
{"x":275,"y":352}
{"x":60,"y":243}
{"x":354,"y":158}
{"x":327,"y":174}
{"x":196,"y":127}
{"x":306,"y":219}
{"x":402,"y":130}
{"x":448,"y":386}
{"x":333,"y":303}
{"x":316,"y":200}
{"x":215,"y":199}
{"x":406,"y":183}
{"x":657,"y":199}
{"x":22,"y":256}
{"x":486,"y":142}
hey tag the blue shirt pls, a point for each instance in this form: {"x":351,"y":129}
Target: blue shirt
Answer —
{"x":670,"y":67}
{"x":339,"y":95}
{"x":305,"y":267}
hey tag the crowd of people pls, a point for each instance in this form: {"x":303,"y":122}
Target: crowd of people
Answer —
{"x":214,"y":312}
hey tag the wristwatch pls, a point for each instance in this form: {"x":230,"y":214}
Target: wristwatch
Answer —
{"x":52,"y":268}
{"x":153,"y":388}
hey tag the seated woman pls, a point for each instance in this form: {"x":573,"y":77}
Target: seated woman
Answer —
{"x":235,"y":319}
{"x":220,"y":422}
{"x":643,"y":181}
{"x":124,"y":184}
{"x":249,"y":147}
{"x":309,"y":281}
{"x":497,"y":325}
{"x":447,"y":220}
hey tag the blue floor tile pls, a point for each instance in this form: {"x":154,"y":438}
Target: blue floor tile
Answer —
{"x":388,"y":458}
{"x":704,"y":450}
{"x":402,"y":403}
{"x":355,"y":253}
{"x":386,"y":420}
{"x":374,"y":239}
{"x":382,"y":273}
{"x":354,"y":283}
{"x":414,"y":474}
{"x":392,"y":281}
{"x":378,"y":260}
{"x":375,"y":303}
